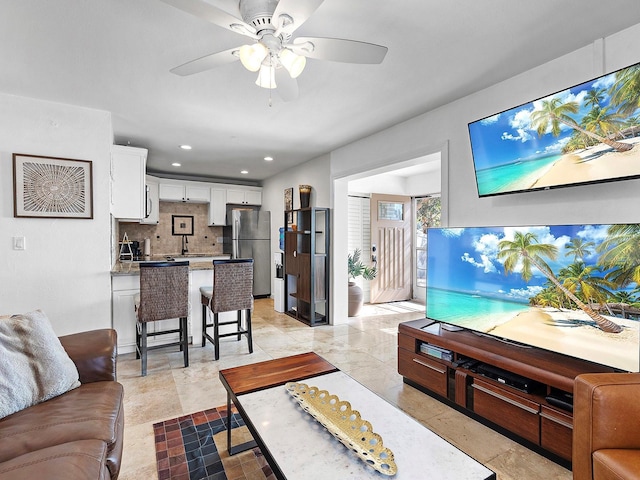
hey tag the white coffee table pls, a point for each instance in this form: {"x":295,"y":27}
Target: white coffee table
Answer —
{"x":297,"y":446}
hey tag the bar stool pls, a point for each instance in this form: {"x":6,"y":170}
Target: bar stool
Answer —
{"x":232,"y":291}
{"x":164,"y":294}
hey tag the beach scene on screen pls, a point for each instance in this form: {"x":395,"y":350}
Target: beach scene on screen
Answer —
{"x":573,"y":289}
{"x":584,"y":134}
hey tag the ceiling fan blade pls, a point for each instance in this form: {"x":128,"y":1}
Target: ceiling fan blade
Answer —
{"x":207,"y":62}
{"x":338,"y":50}
{"x":287,"y":87}
{"x":212,"y":14}
{"x":298,"y":11}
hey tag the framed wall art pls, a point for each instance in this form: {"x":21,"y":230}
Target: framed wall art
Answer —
{"x":51,"y":187}
{"x":181,"y":224}
{"x":288,"y":204}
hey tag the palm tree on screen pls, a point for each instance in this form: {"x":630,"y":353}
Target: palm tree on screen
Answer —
{"x":621,"y":254}
{"x":546,"y":298}
{"x":554,"y":113}
{"x":580,"y":280}
{"x":578,"y":248}
{"x":602,"y":121}
{"x":594,"y":97}
{"x":625,"y":92}
{"x":525,"y":250}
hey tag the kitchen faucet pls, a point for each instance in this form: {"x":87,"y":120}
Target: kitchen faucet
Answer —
{"x":185,"y":241}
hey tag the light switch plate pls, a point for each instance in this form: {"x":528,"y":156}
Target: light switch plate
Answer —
{"x":19,"y":243}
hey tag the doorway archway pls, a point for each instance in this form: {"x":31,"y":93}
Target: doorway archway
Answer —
{"x":359,"y":177}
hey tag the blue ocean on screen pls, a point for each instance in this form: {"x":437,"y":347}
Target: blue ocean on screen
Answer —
{"x":519,"y":175}
{"x":469,"y":310}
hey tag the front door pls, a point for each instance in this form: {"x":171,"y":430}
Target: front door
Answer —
{"x":391,"y":247}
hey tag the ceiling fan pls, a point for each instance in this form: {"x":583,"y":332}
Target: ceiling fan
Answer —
{"x":275,"y":54}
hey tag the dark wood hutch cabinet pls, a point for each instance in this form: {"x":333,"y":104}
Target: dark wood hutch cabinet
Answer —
{"x":306,"y":265}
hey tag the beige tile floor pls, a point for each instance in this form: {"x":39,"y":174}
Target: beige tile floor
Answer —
{"x":365,"y":348}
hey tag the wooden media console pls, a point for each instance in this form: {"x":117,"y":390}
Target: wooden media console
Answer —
{"x":522,"y":391}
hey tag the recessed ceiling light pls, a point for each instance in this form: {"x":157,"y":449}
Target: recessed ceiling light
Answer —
{"x":185,"y":147}
{"x":244,"y":172}
{"x":268,"y":159}
{"x":176,"y":164}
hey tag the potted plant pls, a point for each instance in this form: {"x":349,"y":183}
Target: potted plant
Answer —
{"x":357,"y":268}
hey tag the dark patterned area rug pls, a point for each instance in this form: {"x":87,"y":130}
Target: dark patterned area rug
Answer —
{"x":194,"y":447}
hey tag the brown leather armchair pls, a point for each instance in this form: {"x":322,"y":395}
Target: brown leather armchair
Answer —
{"x":606,"y":426}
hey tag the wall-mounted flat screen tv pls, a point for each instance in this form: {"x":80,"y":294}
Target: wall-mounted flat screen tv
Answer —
{"x":585,"y":134}
{"x":571,"y":289}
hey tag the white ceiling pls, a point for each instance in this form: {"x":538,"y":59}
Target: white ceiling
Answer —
{"x":115,"y":55}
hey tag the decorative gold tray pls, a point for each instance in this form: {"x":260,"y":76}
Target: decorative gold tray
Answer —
{"x":345,"y":424}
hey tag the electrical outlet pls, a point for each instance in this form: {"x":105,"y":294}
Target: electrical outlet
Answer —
{"x":19,"y":243}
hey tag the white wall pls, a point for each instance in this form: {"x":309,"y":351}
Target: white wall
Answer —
{"x":426,"y":184}
{"x":447,"y":127}
{"x":390,"y":184}
{"x":314,"y":173}
{"x":65,"y":267}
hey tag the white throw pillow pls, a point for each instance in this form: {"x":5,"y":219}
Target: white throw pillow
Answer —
{"x":34,"y":366}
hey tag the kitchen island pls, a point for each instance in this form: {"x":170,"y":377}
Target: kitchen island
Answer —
{"x":125,"y":285}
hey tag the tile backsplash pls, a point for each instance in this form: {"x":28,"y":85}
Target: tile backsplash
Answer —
{"x":206,"y":240}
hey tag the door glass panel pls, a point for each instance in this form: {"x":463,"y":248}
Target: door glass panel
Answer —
{"x":390,"y":211}
{"x":428,"y":212}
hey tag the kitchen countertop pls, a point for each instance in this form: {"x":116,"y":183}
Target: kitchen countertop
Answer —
{"x":133,"y":268}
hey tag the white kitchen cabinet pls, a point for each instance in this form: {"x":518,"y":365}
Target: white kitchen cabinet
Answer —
{"x":253,"y":197}
{"x":124,"y":290}
{"x":184,"y":192}
{"x":197,"y":193}
{"x":244,"y":196}
{"x":128,"y":166}
{"x":171,"y":192}
{"x":124,"y":318}
{"x":218,"y":207}
{"x":152,"y":208}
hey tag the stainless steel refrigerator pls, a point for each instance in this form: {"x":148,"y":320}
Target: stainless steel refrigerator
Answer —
{"x":251,"y":238}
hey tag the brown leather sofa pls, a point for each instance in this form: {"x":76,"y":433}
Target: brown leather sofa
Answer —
{"x":77,"y":435}
{"x":606,"y":426}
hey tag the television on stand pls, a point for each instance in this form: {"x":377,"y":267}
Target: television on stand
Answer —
{"x":588,"y":133}
{"x":570,"y":289}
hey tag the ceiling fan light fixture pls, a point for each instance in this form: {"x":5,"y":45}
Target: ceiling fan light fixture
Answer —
{"x":293,"y":62}
{"x":266,"y":77}
{"x":252,"y":56}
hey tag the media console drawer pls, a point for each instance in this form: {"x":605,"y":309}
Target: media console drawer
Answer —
{"x":420,"y":369}
{"x":556,"y":430}
{"x":502,"y":407}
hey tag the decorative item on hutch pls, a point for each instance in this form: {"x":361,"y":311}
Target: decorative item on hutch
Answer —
{"x":305,"y":195}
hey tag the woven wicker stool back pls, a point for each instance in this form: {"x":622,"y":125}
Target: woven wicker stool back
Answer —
{"x":164,"y":291}
{"x":164,"y":295}
{"x":232,"y":286}
{"x":232,"y":291}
